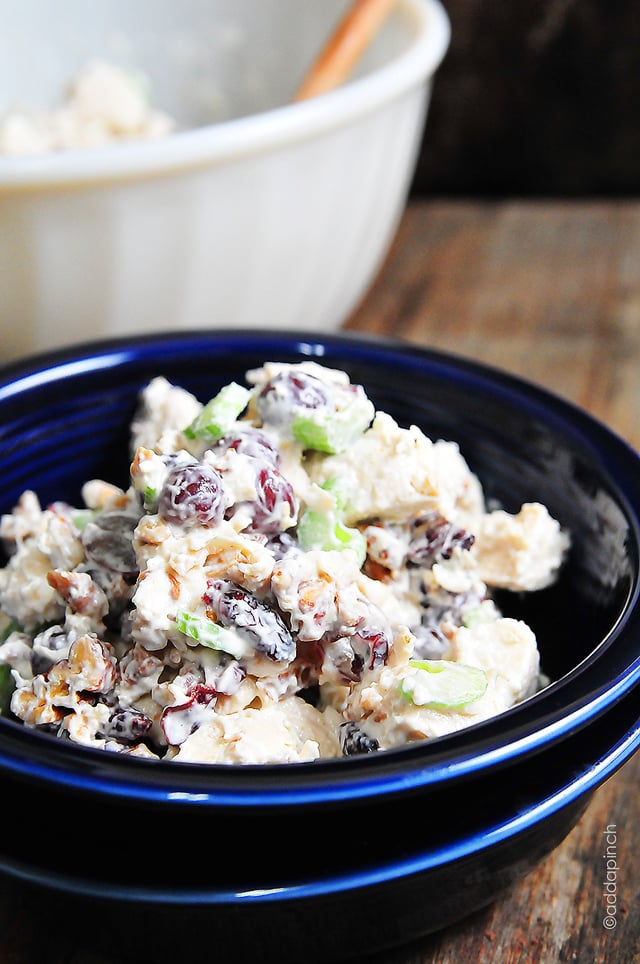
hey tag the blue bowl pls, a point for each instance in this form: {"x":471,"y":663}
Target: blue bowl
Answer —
{"x":354,"y":854}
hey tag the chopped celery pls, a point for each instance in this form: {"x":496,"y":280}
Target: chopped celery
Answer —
{"x":210,"y":634}
{"x":7,"y":687}
{"x":326,"y":530}
{"x":148,"y":474}
{"x":220,"y":412}
{"x":323,"y":530}
{"x":82,"y":517}
{"x":337,"y":490}
{"x":442,"y":684}
{"x":484,"y":612}
{"x":8,"y":626}
{"x":335,"y":431}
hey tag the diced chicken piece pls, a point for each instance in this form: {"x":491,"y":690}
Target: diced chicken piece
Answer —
{"x":165,"y":411}
{"x":520,"y":552}
{"x":290,"y":731}
{"x":392,"y":473}
{"x":505,"y":646}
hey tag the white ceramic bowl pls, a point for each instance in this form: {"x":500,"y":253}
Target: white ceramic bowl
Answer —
{"x":257,"y":211}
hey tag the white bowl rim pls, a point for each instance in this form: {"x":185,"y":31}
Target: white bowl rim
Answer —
{"x":248,"y":135}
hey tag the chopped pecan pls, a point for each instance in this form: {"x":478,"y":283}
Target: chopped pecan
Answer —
{"x":79,"y":592}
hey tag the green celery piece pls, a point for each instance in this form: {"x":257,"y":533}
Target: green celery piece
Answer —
{"x":448,"y":685}
{"x":210,"y":634}
{"x":7,"y":687}
{"x":150,"y":498}
{"x":336,"y":431}
{"x":336,"y":488}
{"x":82,"y":517}
{"x":220,"y":412}
{"x":149,"y":481}
{"x":323,"y":530}
{"x":7,"y":626}
{"x":484,"y":612}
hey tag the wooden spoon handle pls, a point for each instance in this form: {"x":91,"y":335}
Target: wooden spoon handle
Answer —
{"x":344,"y":47}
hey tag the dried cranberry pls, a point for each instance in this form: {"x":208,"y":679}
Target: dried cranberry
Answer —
{"x":273,"y":491}
{"x":180,"y":720}
{"x":192,"y":494}
{"x":240,"y":610}
{"x":108,"y":541}
{"x":128,"y":725}
{"x":251,"y":442}
{"x":355,"y":741}
{"x":289,"y":392}
{"x":434,"y":538}
{"x":372,"y":647}
{"x":202,"y":693}
{"x":47,"y":647}
{"x":431,"y":643}
{"x":267,"y":513}
{"x":281,"y":544}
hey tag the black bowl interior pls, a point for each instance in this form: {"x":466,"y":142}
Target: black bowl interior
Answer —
{"x":64,"y":419}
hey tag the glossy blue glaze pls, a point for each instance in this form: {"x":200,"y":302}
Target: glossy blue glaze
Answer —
{"x":549,"y":789}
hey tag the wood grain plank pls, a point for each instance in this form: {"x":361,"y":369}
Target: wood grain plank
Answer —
{"x":549,"y":291}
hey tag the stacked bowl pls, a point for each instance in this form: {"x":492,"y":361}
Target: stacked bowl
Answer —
{"x":336,"y":858}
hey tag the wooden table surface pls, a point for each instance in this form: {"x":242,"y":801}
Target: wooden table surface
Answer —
{"x":550,"y":291}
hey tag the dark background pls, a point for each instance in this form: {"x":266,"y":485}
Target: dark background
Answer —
{"x":536,"y":98}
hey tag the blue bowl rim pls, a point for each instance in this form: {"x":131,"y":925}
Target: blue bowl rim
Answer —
{"x":524,"y":729}
{"x":472,"y":841}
